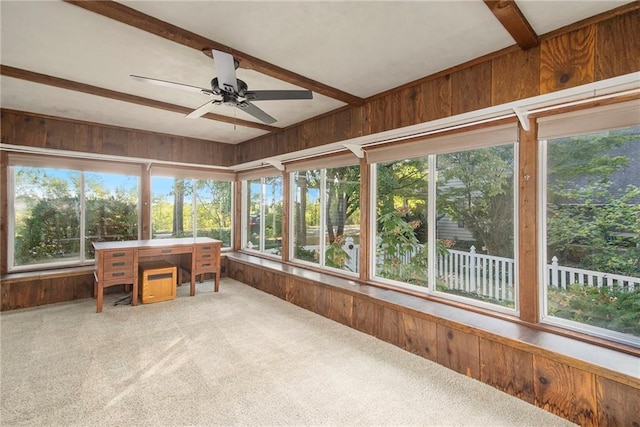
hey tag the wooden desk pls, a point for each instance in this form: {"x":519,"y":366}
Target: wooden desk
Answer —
{"x":117,"y":262}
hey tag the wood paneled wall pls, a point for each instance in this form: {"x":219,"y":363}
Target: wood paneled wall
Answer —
{"x":31,"y":130}
{"x":570,"y":388}
{"x":39,"y":290}
{"x":586,"y":54}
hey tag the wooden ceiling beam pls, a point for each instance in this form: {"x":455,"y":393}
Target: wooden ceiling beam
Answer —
{"x":31,"y":76}
{"x":134,"y":18}
{"x":512,"y":19}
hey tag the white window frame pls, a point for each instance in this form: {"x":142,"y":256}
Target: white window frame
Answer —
{"x":81,"y":260}
{"x":196,"y":177}
{"x":545,"y":318}
{"x":245,"y":216}
{"x":431,"y":235}
{"x":322,"y":244}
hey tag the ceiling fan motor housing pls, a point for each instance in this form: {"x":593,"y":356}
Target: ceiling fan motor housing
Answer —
{"x":242,"y":88}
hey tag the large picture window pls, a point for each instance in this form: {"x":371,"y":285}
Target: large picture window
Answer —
{"x":263,"y":214}
{"x":591,"y":222}
{"x":187,"y":207}
{"x":326,"y":217}
{"x":445,"y":222}
{"x":59,"y":212}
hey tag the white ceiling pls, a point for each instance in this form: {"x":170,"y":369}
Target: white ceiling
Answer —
{"x":360,"y":47}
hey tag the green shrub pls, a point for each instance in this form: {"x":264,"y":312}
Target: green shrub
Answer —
{"x":611,"y":308}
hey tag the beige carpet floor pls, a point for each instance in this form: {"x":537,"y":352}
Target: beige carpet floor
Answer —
{"x":238,"y":357}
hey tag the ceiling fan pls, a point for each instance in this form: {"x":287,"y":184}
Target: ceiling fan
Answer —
{"x":234,"y":92}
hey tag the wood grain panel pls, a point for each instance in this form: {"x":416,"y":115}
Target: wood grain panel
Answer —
{"x":412,"y":105}
{"x":507,"y":369}
{"x":367,"y":316}
{"x":420,"y":336}
{"x":274,"y":284}
{"x":32,"y":293}
{"x":470,"y":88}
{"x":392,"y":327}
{"x":7,"y":127}
{"x":95,"y":146}
{"x":47,"y":132}
{"x":618,"y":46}
{"x":436,"y":94}
{"x":565,"y":391}
{"x":507,"y":84}
{"x":459,"y":351}
{"x":322,"y":304}
{"x":528,"y":280}
{"x":30,"y":131}
{"x":383,"y":113}
{"x":618,"y":404}
{"x":301,"y":293}
{"x":139,"y":145}
{"x":340,"y":307}
{"x":567,"y":60}
{"x":236,"y":270}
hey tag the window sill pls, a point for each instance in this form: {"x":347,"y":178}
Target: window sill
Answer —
{"x":618,"y":364}
{"x":46,"y":274}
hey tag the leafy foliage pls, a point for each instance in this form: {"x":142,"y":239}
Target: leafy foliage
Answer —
{"x":477,"y":189}
{"x":611,"y":308}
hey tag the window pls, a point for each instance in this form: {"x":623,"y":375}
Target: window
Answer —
{"x":263,"y":214}
{"x":476,"y":188}
{"x":591,"y":196}
{"x":326,"y":217}
{"x":187,"y":207}
{"x":445,"y":222}
{"x":59,"y":212}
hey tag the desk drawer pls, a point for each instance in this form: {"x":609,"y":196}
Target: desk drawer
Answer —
{"x":143,"y":253}
{"x":206,"y":266}
{"x":207,"y":252}
{"x":118,"y":274}
{"x":118,"y":255}
{"x":117,"y":264}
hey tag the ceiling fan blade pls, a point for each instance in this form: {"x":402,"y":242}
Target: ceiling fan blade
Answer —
{"x":226,"y":69}
{"x":274,"y":95}
{"x":200,"y":111}
{"x":172,"y":85}
{"x":248,"y":107}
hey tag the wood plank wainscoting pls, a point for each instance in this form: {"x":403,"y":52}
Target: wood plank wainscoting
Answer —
{"x":23,"y":290}
{"x":578,"y":381}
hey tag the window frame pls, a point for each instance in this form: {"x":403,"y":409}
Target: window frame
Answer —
{"x":336,"y":162}
{"x":431,"y":157}
{"x":37,"y":162}
{"x":543,"y":304}
{"x":244,"y":208}
{"x":194,"y":178}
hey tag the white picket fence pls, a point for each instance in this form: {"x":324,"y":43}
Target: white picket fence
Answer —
{"x":494,"y":277}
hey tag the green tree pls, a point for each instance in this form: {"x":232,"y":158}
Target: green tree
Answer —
{"x":593,"y":222}
{"x":476,"y":187}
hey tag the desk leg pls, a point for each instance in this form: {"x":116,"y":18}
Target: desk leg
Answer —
{"x":193,"y":283}
{"x":134,"y":293}
{"x":217,"y":286}
{"x":99,"y":298}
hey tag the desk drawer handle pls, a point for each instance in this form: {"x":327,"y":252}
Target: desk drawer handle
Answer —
{"x":166,"y":251}
{"x":118,"y":254}
{"x":206,"y":256}
{"x":206,"y":247}
{"x":117,"y":274}
{"x":206,"y":265}
{"x":117,"y":264}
